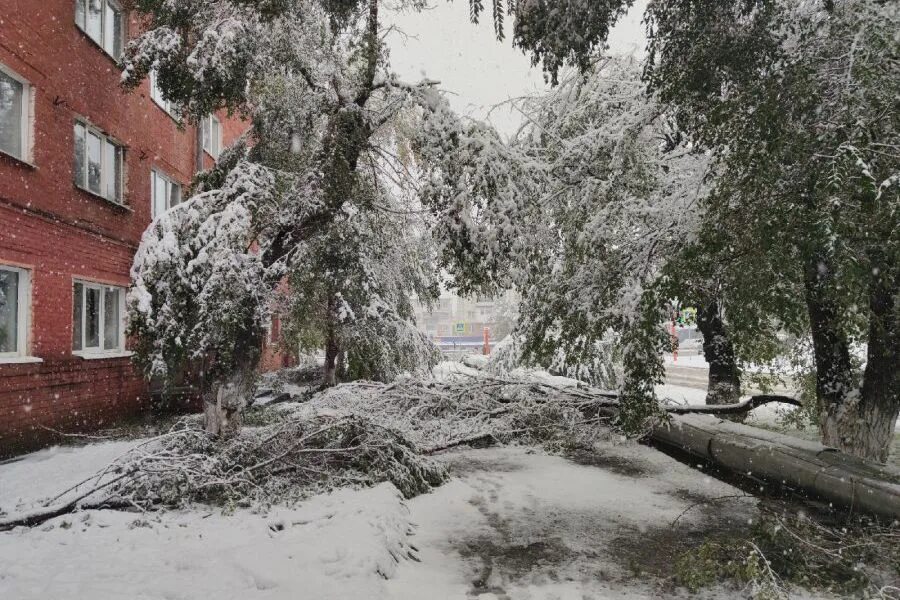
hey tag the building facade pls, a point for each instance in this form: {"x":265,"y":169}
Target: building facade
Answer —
{"x":84,"y":168}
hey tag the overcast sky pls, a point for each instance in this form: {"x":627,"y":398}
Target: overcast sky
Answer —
{"x":472,"y":65}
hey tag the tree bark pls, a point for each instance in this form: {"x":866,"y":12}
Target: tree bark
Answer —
{"x":724,"y":386}
{"x":331,"y":353}
{"x":341,"y":366}
{"x":226,"y":397}
{"x":865,"y":423}
{"x":224,"y":407}
{"x":834,"y":371}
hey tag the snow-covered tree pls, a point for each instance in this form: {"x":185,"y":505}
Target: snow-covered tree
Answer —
{"x":799,"y":102}
{"x":809,"y":118}
{"x":352,"y":293}
{"x":581,"y":215}
{"x":620,"y":198}
{"x":306,"y":201}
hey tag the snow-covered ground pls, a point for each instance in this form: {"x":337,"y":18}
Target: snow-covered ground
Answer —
{"x":517,"y":523}
{"x":513,"y":523}
{"x":340,"y":545}
{"x":43,"y":474}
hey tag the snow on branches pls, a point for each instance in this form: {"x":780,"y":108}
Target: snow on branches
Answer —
{"x":343,"y":235}
{"x":582,"y":214}
{"x":197,"y":281}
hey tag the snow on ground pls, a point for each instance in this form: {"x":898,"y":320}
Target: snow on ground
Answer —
{"x":697,"y":361}
{"x":514,"y":523}
{"x":681,"y":394}
{"x":43,"y":474}
{"x":337,"y":546}
{"x":520,"y":524}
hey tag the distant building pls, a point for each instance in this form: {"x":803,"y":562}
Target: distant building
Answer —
{"x":458,"y":323}
{"x":84,"y":168}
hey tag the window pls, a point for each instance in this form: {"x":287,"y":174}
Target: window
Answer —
{"x":164,"y":193}
{"x":98,"y":318}
{"x":104,"y":22}
{"x":98,"y":163}
{"x":14,"y":298}
{"x":15,"y":112}
{"x":211,"y":133}
{"x":157,"y":96}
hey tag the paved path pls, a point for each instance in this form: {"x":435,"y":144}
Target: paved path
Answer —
{"x":518,"y":524}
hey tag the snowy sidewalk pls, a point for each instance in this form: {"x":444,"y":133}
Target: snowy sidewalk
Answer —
{"x":513,"y":523}
{"x":518,"y":524}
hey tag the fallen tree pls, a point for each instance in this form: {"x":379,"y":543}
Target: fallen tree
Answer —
{"x":489,"y":410}
{"x":824,"y":472}
{"x":365,"y":432}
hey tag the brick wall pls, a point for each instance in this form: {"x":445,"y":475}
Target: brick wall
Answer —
{"x":60,"y":232}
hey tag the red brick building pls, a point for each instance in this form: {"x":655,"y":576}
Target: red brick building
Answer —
{"x":83,"y":169}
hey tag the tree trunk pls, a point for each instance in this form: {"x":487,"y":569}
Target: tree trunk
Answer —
{"x":341,"y":367}
{"x":223,"y":409}
{"x":724,"y":386}
{"x":226,"y":398}
{"x":834,"y":371}
{"x":865,"y":423}
{"x":331,"y":353}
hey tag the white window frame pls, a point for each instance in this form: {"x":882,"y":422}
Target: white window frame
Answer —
{"x":154,"y":174}
{"x":157,"y":96}
{"x":99,"y":351}
{"x":82,"y":181}
{"x":212,"y":145}
{"x":23,"y":316}
{"x":103,"y":25}
{"x":27,"y":115}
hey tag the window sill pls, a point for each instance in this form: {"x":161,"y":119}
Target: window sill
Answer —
{"x":20,"y":360}
{"x":102,"y":355}
{"x":18,"y":160}
{"x":121,"y":206}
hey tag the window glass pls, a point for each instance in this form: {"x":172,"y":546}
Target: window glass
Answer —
{"x":112,"y":31}
{"x":9,"y":311}
{"x":165,"y":193}
{"x":211,"y":134}
{"x":77,"y":305}
{"x":78,"y":167}
{"x":91,"y":317}
{"x":157,"y":198}
{"x":94,"y":25}
{"x":111,"y":171}
{"x":97,"y":319}
{"x":157,"y":95}
{"x":103,"y":21}
{"x":174,"y":194}
{"x":94,"y":151}
{"x":98,"y":164}
{"x":216,"y":135}
{"x":110,"y":318}
{"x":118,"y":33}
{"x":12,"y":101}
{"x":204,"y":129}
{"x":79,"y":13}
